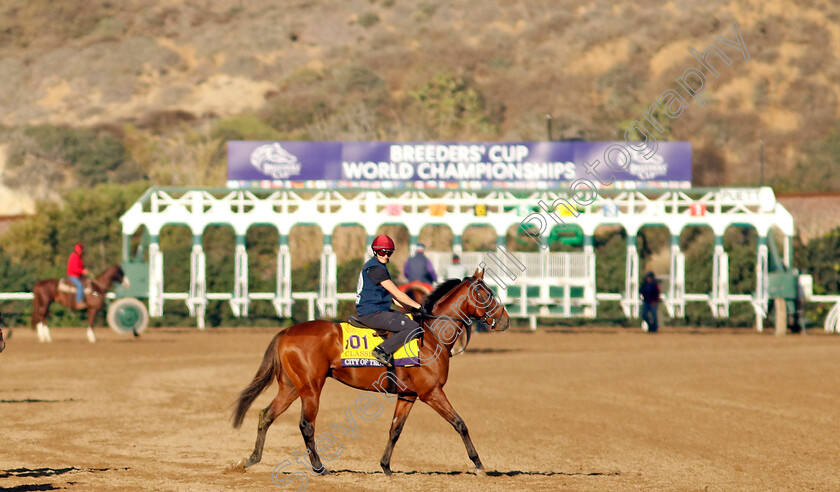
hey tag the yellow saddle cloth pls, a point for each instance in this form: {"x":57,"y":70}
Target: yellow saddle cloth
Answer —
{"x":358,"y":342}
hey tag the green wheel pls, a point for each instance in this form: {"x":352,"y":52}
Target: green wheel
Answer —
{"x":128,"y":315}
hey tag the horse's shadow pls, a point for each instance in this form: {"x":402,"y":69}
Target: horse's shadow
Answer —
{"x":31,"y":487}
{"x":491,"y":350}
{"x":34,"y":473}
{"x":489,"y":473}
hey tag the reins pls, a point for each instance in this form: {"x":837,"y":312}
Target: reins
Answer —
{"x":100,"y":288}
{"x":467,"y":323}
{"x":488,"y":319}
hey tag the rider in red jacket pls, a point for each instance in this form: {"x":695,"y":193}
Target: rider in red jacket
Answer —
{"x":75,"y":271}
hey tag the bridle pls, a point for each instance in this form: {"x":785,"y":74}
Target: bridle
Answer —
{"x":99,"y":287}
{"x":487,"y":319}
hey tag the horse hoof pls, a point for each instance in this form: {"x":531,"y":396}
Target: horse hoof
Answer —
{"x":480,"y":472}
{"x":238,"y":467}
{"x":323,"y":471}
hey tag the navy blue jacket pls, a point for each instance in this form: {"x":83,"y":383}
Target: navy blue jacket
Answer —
{"x":372,"y":297}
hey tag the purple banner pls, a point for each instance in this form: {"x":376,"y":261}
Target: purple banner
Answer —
{"x":466,"y":165}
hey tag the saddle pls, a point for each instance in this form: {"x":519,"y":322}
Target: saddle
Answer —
{"x":65,"y":285}
{"x":383,"y":334}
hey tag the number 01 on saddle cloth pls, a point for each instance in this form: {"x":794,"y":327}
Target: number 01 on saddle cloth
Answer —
{"x":358,"y":342}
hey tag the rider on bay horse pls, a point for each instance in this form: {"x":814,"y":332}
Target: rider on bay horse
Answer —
{"x":75,"y":271}
{"x":374,"y":293}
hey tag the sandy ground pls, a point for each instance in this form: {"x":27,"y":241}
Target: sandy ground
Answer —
{"x":600,"y":409}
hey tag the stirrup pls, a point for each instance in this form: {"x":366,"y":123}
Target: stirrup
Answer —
{"x":381,"y":356}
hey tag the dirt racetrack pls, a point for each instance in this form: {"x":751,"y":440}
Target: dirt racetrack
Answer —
{"x":599,"y":409}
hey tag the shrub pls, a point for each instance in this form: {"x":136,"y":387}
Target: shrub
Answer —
{"x":368,"y":19}
{"x":449,"y":104}
{"x":48,"y":151}
{"x":244,"y":127}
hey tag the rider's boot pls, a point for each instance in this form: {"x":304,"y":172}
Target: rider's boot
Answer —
{"x":385,"y":358}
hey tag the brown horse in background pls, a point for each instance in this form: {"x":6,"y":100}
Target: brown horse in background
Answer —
{"x":46,"y":291}
{"x":303,"y":356}
{"x":417,"y":290}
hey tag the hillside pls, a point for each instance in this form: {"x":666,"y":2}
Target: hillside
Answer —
{"x":100,"y":90}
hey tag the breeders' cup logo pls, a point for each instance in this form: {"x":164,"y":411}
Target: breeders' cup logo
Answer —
{"x":275,"y":161}
{"x":646,"y":168}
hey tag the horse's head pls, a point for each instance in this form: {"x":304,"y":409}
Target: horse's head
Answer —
{"x":484,"y":304}
{"x":115,"y":274}
{"x":470,"y":299}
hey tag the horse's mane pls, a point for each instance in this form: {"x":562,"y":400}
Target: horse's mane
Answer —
{"x":116,"y":267}
{"x":440,"y":291}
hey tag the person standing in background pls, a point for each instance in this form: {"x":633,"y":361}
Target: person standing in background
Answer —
{"x":419,"y":268}
{"x":456,"y":269}
{"x":650,"y":300}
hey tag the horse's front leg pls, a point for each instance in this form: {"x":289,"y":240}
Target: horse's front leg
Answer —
{"x":91,"y":315}
{"x":437,"y":400}
{"x":404,"y":404}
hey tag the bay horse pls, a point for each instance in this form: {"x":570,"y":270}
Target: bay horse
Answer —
{"x":417,"y":290}
{"x":304,"y":355}
{"x":45,"y":292}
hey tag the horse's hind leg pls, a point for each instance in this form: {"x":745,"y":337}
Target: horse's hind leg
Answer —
{"x":309,"y":401}
{"x":404,"y":405}
{"x":281,"y":402}
{"x":437,"y":400}
{"x":90,"y":336}
{"x":43,"y":330}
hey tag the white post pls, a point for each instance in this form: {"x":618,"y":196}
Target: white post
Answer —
{"x":630,"y":303}
{"x":676,"y":287}
{"x":239,"y":302}
{"x":332,"y":282}
{"x":719,"y":301}
{"x":283,"y":288}
{"x":786,"y":251}
{"x":761,"y":296}
{"x":155,"y":278}
{"x":197,"y":302}
{"x":590,"y":291}
{"x":567,"y":280}
{"x":327,"y":290}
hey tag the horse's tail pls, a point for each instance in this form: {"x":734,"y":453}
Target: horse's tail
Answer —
{"x":268,"y":370}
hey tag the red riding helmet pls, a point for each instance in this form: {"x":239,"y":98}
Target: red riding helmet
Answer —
{"x":79,"y":248}
{"x":382,"y":242}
